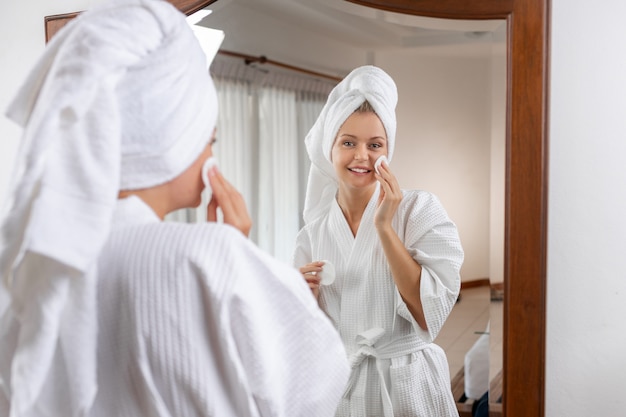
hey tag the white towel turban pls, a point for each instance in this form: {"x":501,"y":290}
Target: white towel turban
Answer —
{"x":366,"y":83}
{"x":120,"y":99}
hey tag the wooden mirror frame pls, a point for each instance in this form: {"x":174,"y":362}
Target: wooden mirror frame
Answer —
{"x":526,"y":193}
{"x":523,"y":369}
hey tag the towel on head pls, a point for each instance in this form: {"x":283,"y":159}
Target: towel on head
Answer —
{"x":120,"y":99}
{"x":366,"y":83}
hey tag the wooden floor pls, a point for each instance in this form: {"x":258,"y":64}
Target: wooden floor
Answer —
{"x":467,"y":322}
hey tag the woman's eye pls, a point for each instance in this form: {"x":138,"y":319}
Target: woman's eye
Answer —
{"x":376,"y":145}
{"x":347,"y":143}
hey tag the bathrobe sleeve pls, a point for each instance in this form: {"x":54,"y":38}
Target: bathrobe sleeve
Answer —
{"x":295,"y":361}
{"x":432,"y":239}
{"x":303,"y":253}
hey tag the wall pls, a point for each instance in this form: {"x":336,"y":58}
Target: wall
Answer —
{"x":586,"y":293}
{"x":22,"y":40}
{"x":443,"y":140}
{"x":250,"y":32}
{"x":497,"y":158}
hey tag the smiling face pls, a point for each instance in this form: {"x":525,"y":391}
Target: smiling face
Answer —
{"x":359,"y":142}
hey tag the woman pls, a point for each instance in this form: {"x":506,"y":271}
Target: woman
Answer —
{"x":396,"y":253}
{"x":109,"y":311}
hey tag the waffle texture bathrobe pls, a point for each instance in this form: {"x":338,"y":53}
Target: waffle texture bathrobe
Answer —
{"x":397,"y":370}
{"x":194,"y":320}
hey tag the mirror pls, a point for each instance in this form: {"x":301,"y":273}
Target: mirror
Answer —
{"x":525,"y":192}
{"x":451,"y":77}
{"x":525,"y":175}
{"x":523,"y":313}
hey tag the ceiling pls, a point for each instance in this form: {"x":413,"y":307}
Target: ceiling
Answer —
{"x":370,"y":28}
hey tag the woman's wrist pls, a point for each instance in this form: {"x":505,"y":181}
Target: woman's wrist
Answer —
{"x":384,"y":229}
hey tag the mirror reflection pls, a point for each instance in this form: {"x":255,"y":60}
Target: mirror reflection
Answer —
{"x":450,"y":118}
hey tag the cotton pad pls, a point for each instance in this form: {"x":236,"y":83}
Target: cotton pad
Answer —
{"x":208,"y":164}
{"x":327,"y":275}
{"x":380,"y":161}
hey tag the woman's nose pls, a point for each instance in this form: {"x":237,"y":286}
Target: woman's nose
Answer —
{"x":360,"y":153}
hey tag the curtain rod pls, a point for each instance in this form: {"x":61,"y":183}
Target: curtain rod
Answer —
{"x":248,"y":59}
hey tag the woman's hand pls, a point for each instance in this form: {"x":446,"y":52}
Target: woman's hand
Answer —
{"x":230,"y":201}
{"x":310,"y":273}
{"x":389,"y":198}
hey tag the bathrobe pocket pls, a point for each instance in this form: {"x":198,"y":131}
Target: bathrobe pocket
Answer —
{"x":422,"y":387}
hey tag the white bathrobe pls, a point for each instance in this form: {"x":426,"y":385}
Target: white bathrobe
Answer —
{"x":194,"y":320}
{"x":396,"y":369}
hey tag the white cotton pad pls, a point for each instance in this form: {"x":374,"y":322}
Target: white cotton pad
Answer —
{"x":208,"y":164}
{"x":327,"y":275}
{"x":380,"y":161}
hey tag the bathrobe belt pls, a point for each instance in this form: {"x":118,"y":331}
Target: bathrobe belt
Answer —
{"x":395,"y":348}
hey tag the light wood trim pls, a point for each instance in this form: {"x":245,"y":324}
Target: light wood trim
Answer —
{"x":482,"y":282}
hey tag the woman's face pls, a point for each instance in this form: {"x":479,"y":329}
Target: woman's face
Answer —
{"x":359,"y":142}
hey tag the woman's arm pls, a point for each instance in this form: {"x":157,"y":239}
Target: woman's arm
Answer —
{"x":405,"y":270}
{"x":293,"y":357}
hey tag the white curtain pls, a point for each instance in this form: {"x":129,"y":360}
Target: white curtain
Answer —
{"x":263,"y":120}
{"x":277,"y":221}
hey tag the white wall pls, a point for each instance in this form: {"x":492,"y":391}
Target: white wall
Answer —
{"x":586,"y":306}
{"x":443,"y":140}
{"x":497,"y":162}
{"x":250,"y":32}
{"x":22,"y":40}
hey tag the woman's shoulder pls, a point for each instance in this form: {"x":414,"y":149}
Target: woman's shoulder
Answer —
{"x":181,"y":239}
{"x":419,"y":199}
{"x":423,"y":207}
{"x":202,"y":248}
{"x":414,"y":193}
{"x":316,"y":223}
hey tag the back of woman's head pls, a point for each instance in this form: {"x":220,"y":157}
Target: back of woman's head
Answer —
{"x":120,"y":99}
